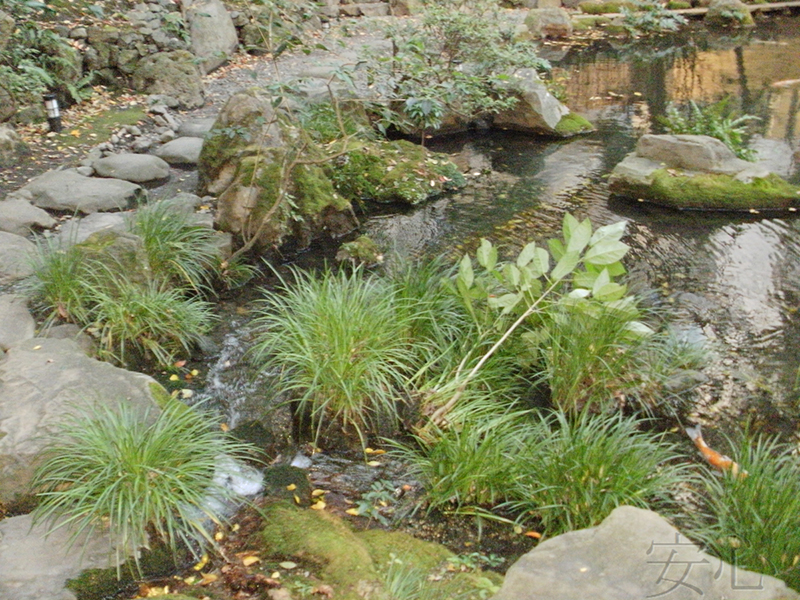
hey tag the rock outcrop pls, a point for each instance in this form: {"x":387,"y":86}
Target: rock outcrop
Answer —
{"x":40,"y":381}
{"x":698,"y":172}
{"x":633,"y":554}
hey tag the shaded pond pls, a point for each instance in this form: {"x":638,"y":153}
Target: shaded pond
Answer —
{"x":730,"y":279}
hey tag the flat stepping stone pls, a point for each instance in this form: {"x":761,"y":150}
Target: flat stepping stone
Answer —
{"x":19,"y":216}
{"x":196,"y":127}
{"x":16,"y":255}
{"x":137,"y":168}
{"x":16,"y":322}
{"x":181,"y":151}
{"x":69,"y":191}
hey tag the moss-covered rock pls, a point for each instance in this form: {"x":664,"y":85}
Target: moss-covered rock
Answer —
{"x":366,"y":564}
{"x":361,"y":251}
{"x":393,"y":172}
{"x":714,"y":191}
{"x":573,"y":124}
{"x":326,"y":546}
{"x":599,"y":7}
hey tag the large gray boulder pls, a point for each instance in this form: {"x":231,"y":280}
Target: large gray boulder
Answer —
{"x":36,"y":567}
{"x":16,"y":322}
{"x":78,"y":230}
{"x":537,"y":110}
{"x":212,"y":32}
{"x":548,"y":22}
{"x":72,"y":192}
{"x":174,"y":74}
{"x":137,"y":168}
{"x":19,"y":216}
{"x":16,"y":257}
{"x":632,"y":555}
{"x":698,"y":172}
{"x":43,"y":379}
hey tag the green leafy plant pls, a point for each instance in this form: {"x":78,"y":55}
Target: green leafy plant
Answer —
{"x":474,"y":561}
{"x":646,"y":17}
{"x":448,"y":61}
{"x":341,"y":347}
{"x":142,"y":477}
{"x":378,"y":502}
{"x":718,"y":120}
{"x":750,"y":520}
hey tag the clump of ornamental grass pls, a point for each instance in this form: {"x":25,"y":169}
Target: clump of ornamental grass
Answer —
{"x":752,"y":520}
{"x":178,"y":250}
{"x":589,"y":465}
{"x":558,"y":471}
{"x":149,"y":320}
{"x":62,"y":280}
{"x":145,"y":478}
{"x":342,"y":347}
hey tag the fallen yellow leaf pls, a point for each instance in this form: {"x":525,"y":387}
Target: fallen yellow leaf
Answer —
{"x":173,"y":378}
{"x":291,"y":487}
{"x":219,"y":536}
{"x":374,"y":463}
{"x":319,"y":505}
{"x":352,"y":511}
{"x":250,"y":560}
{"x":224,"y":427}
{"x":203,"y":562}
{"x":208,"y":578}
{"x":297,"y":499}
{"x":317,"y":492}
{"x":287,"y":565}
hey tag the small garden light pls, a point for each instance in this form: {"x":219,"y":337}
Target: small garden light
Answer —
{"x":53,"y":114}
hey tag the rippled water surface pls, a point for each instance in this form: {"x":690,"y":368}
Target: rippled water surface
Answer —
{"x":734,"y":279}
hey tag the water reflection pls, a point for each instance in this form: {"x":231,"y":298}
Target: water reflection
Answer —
{"x":736,"y":277}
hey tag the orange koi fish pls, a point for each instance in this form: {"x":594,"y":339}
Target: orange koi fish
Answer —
{"x":714,"y":458}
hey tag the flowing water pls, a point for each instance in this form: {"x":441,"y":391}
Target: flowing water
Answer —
{"x":728,"y":279}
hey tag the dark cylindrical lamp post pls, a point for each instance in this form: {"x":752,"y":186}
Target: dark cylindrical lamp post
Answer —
{"x":53,"y":114}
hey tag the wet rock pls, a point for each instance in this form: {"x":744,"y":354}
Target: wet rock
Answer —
{"x":34,"y":567}
{"x":172,"y":74}
{"x":40,"y":381}
{"x":212,"y":32}
{"x":698,"y":172}
{"x":68,"y":191}
{"x":538,"y":111}
{"x":20,"y":217}
{"x":137,"y":168}
{"x":16,"y":254}
{"x":16,"y":322}
{"x":285,"y":482}
{"x":181,"y":151}
{"x":633,"y":553}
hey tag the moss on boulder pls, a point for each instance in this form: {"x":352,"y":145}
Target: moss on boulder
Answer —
{"x":393,"y":172}
{"x":573,"y":124}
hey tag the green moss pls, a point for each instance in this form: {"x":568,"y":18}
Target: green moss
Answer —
{"x":159,"y":394}
{"x":397,"y":171}
{"x":678,"y":5}
{"x":99,"y":128}
{"x":325,"y":545}
{"x":720,"y":192}
{"x":362,"y":250}
{"x":384,"y":546}
{"x":573,"y":124}
{"x":599,"y":8}
{"x":315,"y":191}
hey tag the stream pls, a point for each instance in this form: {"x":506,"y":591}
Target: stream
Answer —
{"x":731,"y":281}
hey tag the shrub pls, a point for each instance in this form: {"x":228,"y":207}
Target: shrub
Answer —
{"x":752,"y":521}
{"x":144,"y":477}
{"x":341,"y":346}
{"x":717,"y":120}
{"x":645,"y":17}
{"x":449,"y":61}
